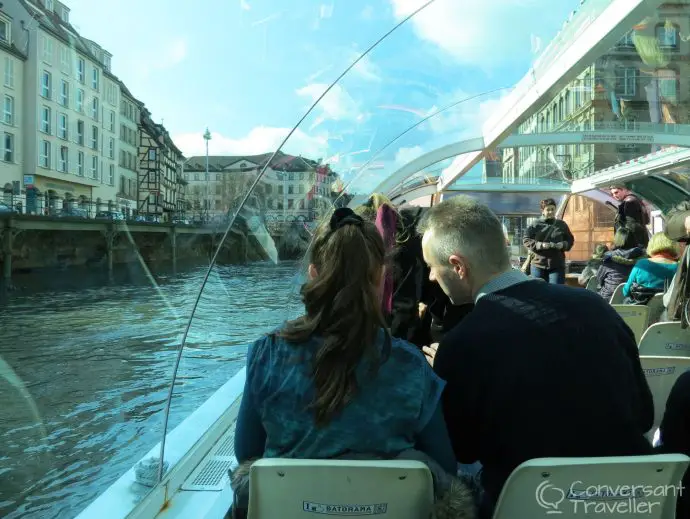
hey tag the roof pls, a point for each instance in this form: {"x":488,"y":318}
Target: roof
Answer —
{"x":281,"y":162}
{"x":51,"y":22}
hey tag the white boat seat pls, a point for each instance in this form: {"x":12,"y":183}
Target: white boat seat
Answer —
{"x":635,"y":316}
{"x":308,"y":489}
{"x":572,"y":488}
{"x":656,"y":308}
{"x":661,"y":373}
{"x":617,"y":296}
{"x":666,"y":339}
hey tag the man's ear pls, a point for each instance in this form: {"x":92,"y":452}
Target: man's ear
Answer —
{"x":459,"y":265}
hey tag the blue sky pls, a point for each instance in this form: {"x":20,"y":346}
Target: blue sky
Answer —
{"x":249,"y":69}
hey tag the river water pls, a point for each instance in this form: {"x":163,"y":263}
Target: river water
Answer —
{"x":96,"y":355}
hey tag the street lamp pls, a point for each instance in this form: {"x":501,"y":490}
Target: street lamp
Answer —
{"x":207,"y":202}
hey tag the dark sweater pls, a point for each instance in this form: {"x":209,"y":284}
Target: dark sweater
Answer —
{"x":539,"y":239}
{"x":675,"y":432}
{"x":541,"y":370}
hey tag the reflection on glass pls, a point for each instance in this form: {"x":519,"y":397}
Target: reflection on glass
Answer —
{"x":618,"y":107}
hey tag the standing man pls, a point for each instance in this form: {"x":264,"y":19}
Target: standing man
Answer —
{"x":631,"y":214}
{"x":548,"y":240}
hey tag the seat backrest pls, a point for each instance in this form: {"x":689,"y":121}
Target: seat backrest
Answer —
{"x":617,"y":296}
{"x":572,"y":488}
{"x":656,"y":308}
{"x":301,"y":489}
{"x":592,"y":284}
{"x":661,"y":373}
{"x":634,"y":316}
{"x":667,"y":339}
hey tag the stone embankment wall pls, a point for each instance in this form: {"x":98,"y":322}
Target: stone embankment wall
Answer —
{"x":34,"y":249}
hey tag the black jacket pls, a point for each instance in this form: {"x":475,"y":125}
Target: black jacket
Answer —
{"x":615,"y":269}
{"x":633,"y":215}
{"x":540,"y":239}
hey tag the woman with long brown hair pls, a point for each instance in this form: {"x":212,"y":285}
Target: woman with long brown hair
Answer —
{"x":333,"y":382}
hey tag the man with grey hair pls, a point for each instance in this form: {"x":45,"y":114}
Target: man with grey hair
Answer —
{"x":536,"y":369}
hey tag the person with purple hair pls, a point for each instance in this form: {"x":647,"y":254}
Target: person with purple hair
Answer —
{"x":387,"y":225}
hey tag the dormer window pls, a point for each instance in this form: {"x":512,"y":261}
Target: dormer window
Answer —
{"x":106,"y":62}
{"x":4,"y":30}
{"x":49,"y":5}
{"x":64,"y":14}
{"x":94,"y":50}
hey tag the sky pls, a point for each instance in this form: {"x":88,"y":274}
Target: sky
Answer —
{"x":250,"y":69}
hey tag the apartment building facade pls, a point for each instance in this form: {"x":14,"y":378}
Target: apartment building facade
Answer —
{"x":11,"y":116}
{"x":292,"y":188}
{"x":130,"y":115}
{"x":642,"y":84}
{"x":160,"y":188}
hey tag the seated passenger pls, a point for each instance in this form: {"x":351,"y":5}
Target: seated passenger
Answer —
{"x":652,"y":275}
{"x":617,"y":264}
{"x":406,"y":274}
{"x":674,"y":433}
{"x":333,"y":383}
{"x":536,"y":369}
{"x":592,"y":265}
{"x":547,"y":241}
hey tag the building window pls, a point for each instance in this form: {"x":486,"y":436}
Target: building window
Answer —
{"x":45,"y":120}
{"x":64,"y":14}
{"x":106,"y":62}
{"x":80,"y":132}
{"x":94,"y":109}
{"x":47,"y":50}
{"x":668,"y":85}
{"x":95,"y":78}
{"x":8,"y":153}
{"x":4,"y":31}
{"x":80,"y":163}
{"x":64,"y":93}
{"x":8,"y":111}
{"x":46,"y":84}
{"x":44,"y":154}
{"x":81,"y":70}
{"x":94,"y":167}
{"x":667,"y":35}
{"x":64,"y":159}
{"x":111,"y":148}
{"x":9,"y":72}
{"x":49,"y":5}
{"x":626,"y":81}
{"x":112,"y":121}
{"x":62,"y":126}
{"x":111,"y":175}
{"x":80,"y":101}
{"x":94,"y":137}
{"x":64,"y":58}
{"x":627,"y":40}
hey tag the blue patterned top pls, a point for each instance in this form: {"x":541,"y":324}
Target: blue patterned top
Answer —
{"x":384,"y":417}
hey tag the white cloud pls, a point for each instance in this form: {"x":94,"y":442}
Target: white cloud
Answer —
{"x":367,"y":13}
{"x":326,"y":11}
{"x":474,"y":31}
{"x":405,"y":155}
{"x":244,"y":5}
{"x":365,"y":68}
{"x":262,"y":139}
{"x":466,"y":119}
{"x":337,"y":104}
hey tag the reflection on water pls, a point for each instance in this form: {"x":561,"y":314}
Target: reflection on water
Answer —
{"x":97,"y":359}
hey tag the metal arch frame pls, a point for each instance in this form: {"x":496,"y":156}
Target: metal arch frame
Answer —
{"x":518,"y":140}
{"x":532,"y":92}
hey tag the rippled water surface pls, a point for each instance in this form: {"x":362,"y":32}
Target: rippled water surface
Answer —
{"x":95,"y":359}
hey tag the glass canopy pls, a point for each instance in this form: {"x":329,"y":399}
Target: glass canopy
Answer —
{"x":158,"y":206}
